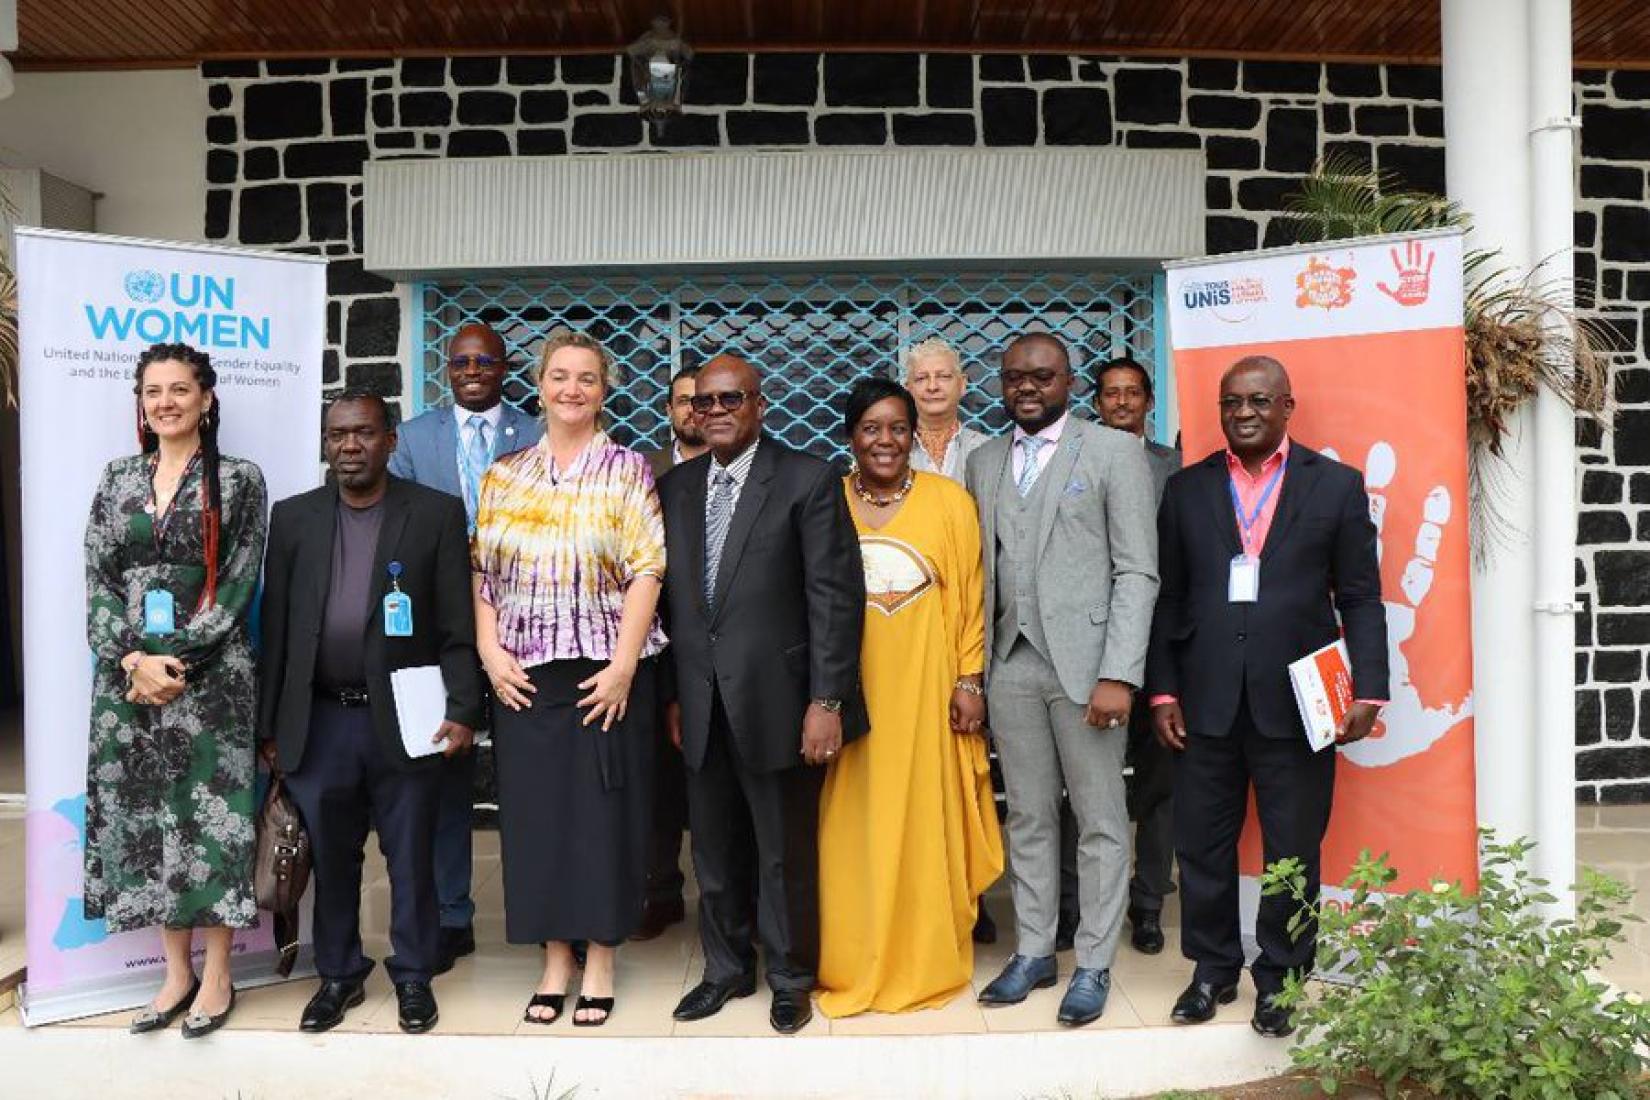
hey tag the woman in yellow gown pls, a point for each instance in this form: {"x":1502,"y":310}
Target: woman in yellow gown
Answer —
{"x":908,"y":830}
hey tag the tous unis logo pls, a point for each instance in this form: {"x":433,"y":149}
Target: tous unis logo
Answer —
{"x":1323,"y":284}
{"x":1240,"y":290}
{"x":178,"y":308}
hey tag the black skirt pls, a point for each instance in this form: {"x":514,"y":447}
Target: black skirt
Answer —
{"x":574,"y":809}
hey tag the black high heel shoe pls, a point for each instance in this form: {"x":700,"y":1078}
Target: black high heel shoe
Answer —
{"x":552,"y":1001}
{"x":155,"y":1019}
{"x":197,"y":1024}
{"x":604,"y":1005}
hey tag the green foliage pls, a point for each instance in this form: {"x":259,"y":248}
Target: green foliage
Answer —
{"x":1471,"y":996}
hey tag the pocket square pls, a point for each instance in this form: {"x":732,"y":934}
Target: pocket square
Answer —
{"x":1076,"y":485}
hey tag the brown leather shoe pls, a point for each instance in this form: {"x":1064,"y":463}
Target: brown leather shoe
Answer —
{"x":658,"y":916}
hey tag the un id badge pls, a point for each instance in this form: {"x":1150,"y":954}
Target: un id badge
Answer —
{"x":158,"y":612}
{"x":398,"y":613}
{"x":1243,"y":582}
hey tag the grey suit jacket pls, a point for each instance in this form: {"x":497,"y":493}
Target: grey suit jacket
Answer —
{"x":1096,"y":552}
{"x":426,"y":447}
{"x":1165,"y":462}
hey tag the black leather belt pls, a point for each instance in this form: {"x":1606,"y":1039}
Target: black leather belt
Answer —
{"x":344,"y":697}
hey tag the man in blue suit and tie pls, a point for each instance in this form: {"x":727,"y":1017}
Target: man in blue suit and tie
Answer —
{"x":449,"y":448}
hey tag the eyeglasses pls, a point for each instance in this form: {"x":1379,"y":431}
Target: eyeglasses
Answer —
{"x":730,"y":400}
{"x":1014,"y":379}
{"x":1260,"y":402}
{"x":476,"y":362}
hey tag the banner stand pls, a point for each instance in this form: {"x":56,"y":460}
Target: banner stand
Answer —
{"x":1371,"y":333}
{"x":88,"y":305}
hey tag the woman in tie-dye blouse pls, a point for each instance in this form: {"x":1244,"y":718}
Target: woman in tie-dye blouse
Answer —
{"x":569,"y":553}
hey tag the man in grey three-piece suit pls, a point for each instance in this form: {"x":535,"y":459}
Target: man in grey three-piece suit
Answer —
{"x":448,"y":448}
{"x":1068,"y":519}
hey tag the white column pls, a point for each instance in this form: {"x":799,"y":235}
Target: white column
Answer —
{"x":1552,"y":241}
{"x":1486,"y":55}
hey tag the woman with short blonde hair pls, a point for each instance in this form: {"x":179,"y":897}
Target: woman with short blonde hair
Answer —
{"x":934,"y":374}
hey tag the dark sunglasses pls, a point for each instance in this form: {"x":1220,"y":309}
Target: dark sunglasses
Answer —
{"x":479,"y":362}
{"x":730,"y":400}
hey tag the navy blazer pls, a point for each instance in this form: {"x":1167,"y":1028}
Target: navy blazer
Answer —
{"x":426,"y":447}
{"x":1319,"y":559}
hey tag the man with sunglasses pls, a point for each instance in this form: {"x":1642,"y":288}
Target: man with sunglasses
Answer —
{"x":1262,"y":543}
{"x":1066,"y":509}
{"x":664,"y":906}
{"x":449,"y":448}
{"x":765,"y":605}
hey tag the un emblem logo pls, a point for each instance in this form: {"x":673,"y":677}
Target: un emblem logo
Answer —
{"x":145,"y":286}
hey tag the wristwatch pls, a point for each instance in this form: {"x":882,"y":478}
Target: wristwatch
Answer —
{"x":830,"y":706}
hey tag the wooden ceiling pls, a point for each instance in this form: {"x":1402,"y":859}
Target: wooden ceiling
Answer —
{"x":58,"y":34}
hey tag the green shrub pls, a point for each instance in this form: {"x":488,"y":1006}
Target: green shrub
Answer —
{"x":1472,"y":996}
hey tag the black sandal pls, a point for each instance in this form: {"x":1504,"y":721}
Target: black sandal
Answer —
{"x":552,"y":1001}
{"x":604,"y":1005}
{"x":156,"y":1019}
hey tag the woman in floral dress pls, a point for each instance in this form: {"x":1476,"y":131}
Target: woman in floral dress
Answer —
{"x":173,"y":549}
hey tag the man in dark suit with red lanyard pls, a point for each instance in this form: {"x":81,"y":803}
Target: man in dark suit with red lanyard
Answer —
{"x":1259,"y":546}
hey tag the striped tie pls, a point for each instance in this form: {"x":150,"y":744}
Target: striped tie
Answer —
{"x":1029,"y":446}
{"x":718,"y":515}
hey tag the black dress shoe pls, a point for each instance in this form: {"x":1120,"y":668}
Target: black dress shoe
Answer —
{"x":455,"y":944}
{"x":1271,"y":1018}
{"x":707,"y":998}
{"x":1146,"y":931}
{"x":791,"y":1011}
{"x":1197,"y":1004}
{"x":326,"y":1009}
{"x":985,"y":929}
{"x":658,"y":916}
{"x":417,"y":1008}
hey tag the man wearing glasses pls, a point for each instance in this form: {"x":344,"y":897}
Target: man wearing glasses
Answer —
{"x":1066,"y":511}
{"x":663,"y":906}
{"x":449,"y":448}
{"x":1262,"y":544}
{"x":765,"y":600}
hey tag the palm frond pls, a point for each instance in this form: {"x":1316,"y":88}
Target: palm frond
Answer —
{"x":1343,"y":197}
{"x":1521,"y":336}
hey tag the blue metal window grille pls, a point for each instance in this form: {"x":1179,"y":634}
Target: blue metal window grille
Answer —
{"x":811,"y":335}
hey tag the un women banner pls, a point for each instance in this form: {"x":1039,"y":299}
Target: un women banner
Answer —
{"x":1371,"y":334}
{"x":88,"y":305}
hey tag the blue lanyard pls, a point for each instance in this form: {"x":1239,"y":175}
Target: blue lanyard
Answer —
{"x":1247,"y":522}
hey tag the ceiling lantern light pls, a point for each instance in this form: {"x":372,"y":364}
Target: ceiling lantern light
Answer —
{"x":659,"y":63}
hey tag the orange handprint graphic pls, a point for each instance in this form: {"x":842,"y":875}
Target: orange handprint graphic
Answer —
{"x":1414,"y":279}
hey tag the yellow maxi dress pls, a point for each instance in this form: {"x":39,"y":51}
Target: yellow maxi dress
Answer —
{"x":908,"y":829}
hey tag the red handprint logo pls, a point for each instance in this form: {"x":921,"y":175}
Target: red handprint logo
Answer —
{"x":1414,"y":279}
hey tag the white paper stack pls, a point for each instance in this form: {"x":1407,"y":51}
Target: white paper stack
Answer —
{"x":420,"y":707}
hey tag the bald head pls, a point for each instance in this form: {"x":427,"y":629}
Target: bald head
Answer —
{"x":1265,"y":366}
{"x":476,"y":367}
{"x":1255,"y":406}
{"x":728,"y":404}
{"x":1036,"y":381}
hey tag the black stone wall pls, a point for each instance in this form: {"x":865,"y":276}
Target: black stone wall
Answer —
{"x":287,"y":141}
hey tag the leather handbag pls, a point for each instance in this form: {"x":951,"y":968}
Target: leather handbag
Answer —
{"x":281,"y":868}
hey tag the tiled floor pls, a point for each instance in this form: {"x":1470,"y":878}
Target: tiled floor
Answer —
{"x":485,"y":994}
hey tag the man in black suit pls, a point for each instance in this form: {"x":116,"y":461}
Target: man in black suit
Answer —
{"x":1259,"y":546}
{"x":766,"y":603}
{"x":663,"y":906}
{"x":343,"y":563}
